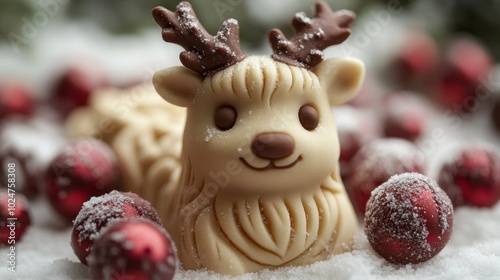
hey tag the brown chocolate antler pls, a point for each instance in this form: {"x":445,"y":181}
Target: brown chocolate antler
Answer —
{"x":327,"y":28}
{"x":203,"y":53}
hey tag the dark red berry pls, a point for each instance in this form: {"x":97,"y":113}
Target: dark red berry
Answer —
{"x":376,"y":162}
{"x":102,"y":211}
{"x":133,"y":249}
{"x":409,"y":219}
{"x":85,"y":168}
{"x":473,"y":177}
{"x":16,"y":99}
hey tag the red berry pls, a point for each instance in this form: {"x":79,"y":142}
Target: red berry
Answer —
{"x":467,"y":64}
{"x":473,"y":177}
{"x":409,"y":219}
{"x":14,"y":217}
{"x":102,"y":211}
{"x":15,"y":99}
{"x":470,"y":59}
{"x":133,"y":249}
{"x":75,"y":86}
{"x":404,"y":116}
{"x":84,"y":169}
{"x":417,"y":59}
{"x":376,"y":162}
{"x":454,"y":91}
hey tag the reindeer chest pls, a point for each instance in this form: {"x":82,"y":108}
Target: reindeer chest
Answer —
{"x":274,"y":231}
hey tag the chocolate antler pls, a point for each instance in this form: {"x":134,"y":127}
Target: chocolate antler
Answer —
{"x":327,"y":28}
{"x":203,"y":53}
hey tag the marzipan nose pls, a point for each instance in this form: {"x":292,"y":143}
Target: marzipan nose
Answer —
{"x":273,"y":145}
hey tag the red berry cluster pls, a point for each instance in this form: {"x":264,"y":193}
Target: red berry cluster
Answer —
{"x":99,"y":212}
{"x":120,"y":235}
{"x":376,"y":162}
{"x":409,"y":218}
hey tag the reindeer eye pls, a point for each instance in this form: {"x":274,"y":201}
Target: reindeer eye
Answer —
{"x":225,"y":117}
{"x":309,"y":117}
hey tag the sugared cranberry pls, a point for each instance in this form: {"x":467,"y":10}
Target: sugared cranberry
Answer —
{"x":454,"y":91}
{"x":376,"y":162}
{"x":14,"y":217}
{"x":74,"y":88}
{"x":417,"y":59}
{"x":102,"y":211}
{"x":469,"y":58}
{"x":409,"y":219}
{"x":473,"y":177}
{"x":404,"y":116}
{"x":15,"y":99}
{"x":133,"y":249}
{"x":85,"y":168}
{"x":468,"y":62}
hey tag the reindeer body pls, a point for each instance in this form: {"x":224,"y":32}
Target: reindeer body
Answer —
{"x":260,"y":185}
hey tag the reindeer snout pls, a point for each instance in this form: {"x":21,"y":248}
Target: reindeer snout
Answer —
{"x":273,"y":145}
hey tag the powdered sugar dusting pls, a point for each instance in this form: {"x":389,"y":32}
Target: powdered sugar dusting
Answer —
{"x":382,"y":158}
{"x":108,"y":207}
{"x":84,"y":155}
{"x":103,"y":210}
{"x":400,"y":213}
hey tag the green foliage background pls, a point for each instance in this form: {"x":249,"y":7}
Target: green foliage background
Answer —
{"x":479,"y":17}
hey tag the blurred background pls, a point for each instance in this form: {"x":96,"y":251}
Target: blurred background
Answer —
{"x":440,"y":18}
{"x":432,"y":80}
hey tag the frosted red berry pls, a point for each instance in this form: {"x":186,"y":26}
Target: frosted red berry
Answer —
{"x":16,"y":99}
{"x":468,"y":63}
{"x":404,"y":116}
{"x":75,"y":86}
{"x":102,"y":211}
{"x":14,"y":217}
{"x":472,"y":177}
{"x":469,"y":58}
{"x":376,"y":162}
{"x":85,"y":168}
{"x":133,"y":249}
{"x":417,"y":59}
{"x":409,"y":219}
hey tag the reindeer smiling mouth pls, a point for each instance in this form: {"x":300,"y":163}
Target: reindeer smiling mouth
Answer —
{"x":271,"y":164}
{"x":272,"y":146}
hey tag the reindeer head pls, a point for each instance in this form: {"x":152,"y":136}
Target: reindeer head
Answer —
{"x":259,"y":124}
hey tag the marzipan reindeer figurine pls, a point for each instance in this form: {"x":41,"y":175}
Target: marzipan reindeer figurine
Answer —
{"x":260,"y":185}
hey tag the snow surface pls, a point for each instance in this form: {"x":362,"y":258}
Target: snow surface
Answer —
{"x":472,"y":253}
{"x":45,"y":252}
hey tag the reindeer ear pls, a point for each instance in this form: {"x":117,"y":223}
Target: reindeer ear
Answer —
{"x":341,"y":78}
{"x":177,"y":85}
